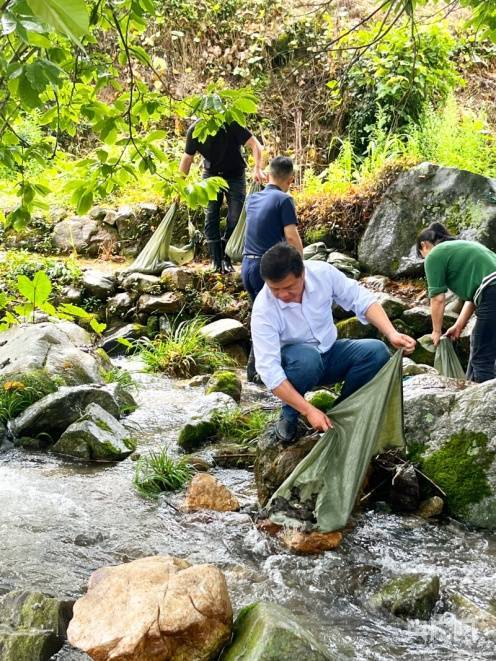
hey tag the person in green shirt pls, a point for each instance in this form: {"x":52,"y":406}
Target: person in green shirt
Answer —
{"x":468,"y":269}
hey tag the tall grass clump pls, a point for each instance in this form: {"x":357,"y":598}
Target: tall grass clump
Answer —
{"x":18,"y":391}
{"x":183,"y":351}
{"x":242,"y":426}
{"x":158,"y":472}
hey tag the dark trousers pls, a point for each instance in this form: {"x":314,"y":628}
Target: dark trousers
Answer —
{"x":235,"y":197}
{"x":355,"y":362}
{"x":250,"y":273}
{"x":482,"y":364}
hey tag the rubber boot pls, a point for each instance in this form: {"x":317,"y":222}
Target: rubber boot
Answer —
{"x":226,"y":260}
{"x":215,"y":250}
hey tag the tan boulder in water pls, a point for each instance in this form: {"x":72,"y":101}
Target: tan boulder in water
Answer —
{"x":205,"y":492}
{"x":153,"y":609}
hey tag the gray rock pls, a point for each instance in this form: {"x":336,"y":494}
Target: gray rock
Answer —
{"x":419,"y":319}
{"x":199,"y":380}
{"x":125,"y":401}
{"x":110,"y":218}
{"x":412,"y":595}
{"x":120,"y":305}
{"x":413,"y":369}
{"x":98,"y":284}
{"x":167,"y":302}
{"x":225,"y":331}
{"x":181,"y":278}
{"x":110,"y":339}
{"x":431,"y":507}
{"x":227,"y":382}
{"x":55,"y":347}
{"x":70,"y":295}
{"x":52,"y":414}
{"x":202,"y":426}
{"x":393,"y":306}
{"x":142,"y":283}
{"x":266,"y":631}
{"x":98,"y":213}
{"x":148,"y":209}
{"x":83,"y":235}
{"x":463,"y":201}
{"x":452,"y":428}
{"x":348,"y":265}
{"x":33,"y":625}
{"x":375,"y":282}
{"x":469,"y":612}
{"x":96,"y":436}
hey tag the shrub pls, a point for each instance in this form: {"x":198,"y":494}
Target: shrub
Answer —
{"x":159,"y":472}
{"x":183,"y":351}
{"x":18,"y":391}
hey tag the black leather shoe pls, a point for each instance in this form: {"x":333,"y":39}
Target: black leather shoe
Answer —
{"x":286,"y":430}
{"x":227,"y":265}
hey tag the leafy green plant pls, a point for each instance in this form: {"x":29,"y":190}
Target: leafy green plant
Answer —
{"x":159,"y":472}
{"x":242,"y":426}
{"x":18,"y":391}
{"x":118,"y":375}
{"x":184,"y":351}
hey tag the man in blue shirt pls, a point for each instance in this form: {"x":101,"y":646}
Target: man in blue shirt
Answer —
{"x":270,"y":218}
{"x":295,"y":338}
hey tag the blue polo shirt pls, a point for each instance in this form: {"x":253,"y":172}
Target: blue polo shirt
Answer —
{"x":267,"y":214}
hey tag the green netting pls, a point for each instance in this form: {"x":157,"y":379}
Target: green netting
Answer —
{"x":327,"y":481}
{"x":236,"y":243}
{"x":446,"y":361}
{"x":158,"y":252}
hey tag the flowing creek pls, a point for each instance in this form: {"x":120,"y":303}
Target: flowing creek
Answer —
{"x":59,"y":521}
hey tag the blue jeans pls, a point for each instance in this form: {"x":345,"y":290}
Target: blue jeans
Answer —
{"x":235,"y":197}
{"x":355,"y":362}
{"x":252,"y":280}
{"x":482,"y":363}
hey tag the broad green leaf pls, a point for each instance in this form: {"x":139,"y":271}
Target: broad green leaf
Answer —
{"x":4,"y":300}
{"x":97,"y":326}
{"x":84,"y":202}
{"x":69,"y":17}
{"x":42,"y":287}
{"x":74,"y":311}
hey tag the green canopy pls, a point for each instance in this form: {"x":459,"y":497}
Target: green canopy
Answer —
{"x":446,"y":361}
{"x":236,"y":243}
{"x":327,"y":481}
{"x":158,"y":252}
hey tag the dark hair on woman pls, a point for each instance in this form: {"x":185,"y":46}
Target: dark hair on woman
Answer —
{"x":435,"y":233}
{"x":280,"y":261}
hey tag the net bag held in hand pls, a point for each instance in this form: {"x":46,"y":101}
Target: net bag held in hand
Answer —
{"x":158,"y":253}
{"x":236,"y":243}
{"x":327,"y":481}
{"x":446,"y":361}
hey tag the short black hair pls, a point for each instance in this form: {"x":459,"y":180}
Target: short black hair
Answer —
{"x":435,"y":233}
{"x":280,"y":261}
{"x":281,"y":167}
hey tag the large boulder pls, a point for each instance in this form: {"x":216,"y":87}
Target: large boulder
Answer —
{"x":153,"y":608}
{"x":96,"y":436}
{"x":225,"y":331}
{"x":451,"y":431}
{"x":50,"y":416}
{"x":463,"y":201}
{"x":98,"y":284}
{"x":266,"y":631}
{"x":202,"y":425}
{"x":59,"y":348}
{"x":32,"y":626}
{"x":83,"y":235}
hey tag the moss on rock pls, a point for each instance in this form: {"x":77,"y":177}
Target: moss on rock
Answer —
{"x":322,"y":399}
{"x":226,"y":382}
{"x":352,"y":329}
{"x":460,"y":467}
{"x":413,"y":595}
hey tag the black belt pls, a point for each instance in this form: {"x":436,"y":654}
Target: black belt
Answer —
{"x":253,"y":256}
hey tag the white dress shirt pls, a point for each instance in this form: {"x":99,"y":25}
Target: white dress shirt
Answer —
{"x":275,"y":324}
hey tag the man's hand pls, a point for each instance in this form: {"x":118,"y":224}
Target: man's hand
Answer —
{"x":259,"y":175}
{"x":436,"y":337}
{"x":317,"y":419}
{"x":454,"y":332}
{"x":401,"y":341}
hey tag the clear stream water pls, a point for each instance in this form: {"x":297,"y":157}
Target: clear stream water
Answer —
{"x":59,"y":521}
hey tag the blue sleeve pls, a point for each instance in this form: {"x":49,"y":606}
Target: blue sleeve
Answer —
{"x":288,"y":212}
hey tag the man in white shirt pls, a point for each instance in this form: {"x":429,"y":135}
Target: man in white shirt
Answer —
{"x":295,"y":338}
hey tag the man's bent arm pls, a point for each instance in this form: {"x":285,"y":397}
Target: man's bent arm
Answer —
{"x":185,"y":164}
{"x":257,"y":151}
{"x":293,"y":237}
{"x":377,"y":317}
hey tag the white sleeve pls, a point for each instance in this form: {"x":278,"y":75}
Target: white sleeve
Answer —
{"x":267,"y":348}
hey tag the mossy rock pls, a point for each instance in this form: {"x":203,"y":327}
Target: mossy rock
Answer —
{"x":412,"y":595}
{"x":322,"y":399}
{"x":424,"y":352}
{"x":460,"y":469}
{"x":33,"y":626}
{"x":264,"y":631}
{"x":227,"y":382}
{"x":352,"y":329}
{"x":234,"y":455}
{"x":202,"y":426}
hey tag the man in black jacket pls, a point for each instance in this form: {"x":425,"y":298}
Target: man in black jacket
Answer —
{"x":222,"y":157}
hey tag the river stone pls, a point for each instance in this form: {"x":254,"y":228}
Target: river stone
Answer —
{"x":98,"y":284}
{"x":110,"y":339}
{"x":153,"y":608}
{"x":120,"y":393}
{"x":471,"y":613}
{"x":234,"y":455}
{"x":70,"y":294}
{"x":120,"y":305}
{"x":205,"y":492}
{"x":424,"y":352}
{"x":98,"y":213}
{"x":59,"y":348}
{"x":310,"y":543}
{"x":462,"y":201}
{"x":227,"y":382}
{"x":225,"y":331}
{"x":353,"y":329}
{"x":431,"y":507}
{"x":96,"y":436}
{"x":168,"y":302}
{"x":393,"y":306}
{"x":420,"y":321}
{"x":412,"y":595}
{"x":181,"y":278}
{"x":375,"y":282}
{"x":274,"y":463}
{"x":348,"y":265}
{"x":202,"y":426}
{"x":82,"y":235}
{"x":142,"y":283}
{"x":32,"y":625}
{"x":52,"y":414}
{"x":266,"y":631}
{"x":451,"y":430}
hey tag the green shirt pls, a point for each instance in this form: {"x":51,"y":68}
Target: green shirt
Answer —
{"x":460,"y":266}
